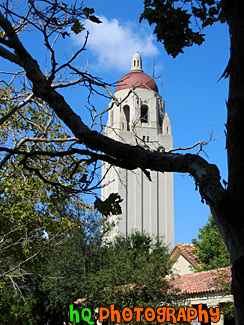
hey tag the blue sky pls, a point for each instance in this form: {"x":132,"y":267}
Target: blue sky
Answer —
{"x":195,"y":100}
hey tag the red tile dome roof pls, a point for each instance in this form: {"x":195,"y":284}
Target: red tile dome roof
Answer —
{"x":133,"y":79}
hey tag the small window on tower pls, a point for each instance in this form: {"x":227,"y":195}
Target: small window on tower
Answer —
{"x":144,"y":114}
{"x":160,"y":118}
{"x":126,"y":109}
{"x":138,"y":63}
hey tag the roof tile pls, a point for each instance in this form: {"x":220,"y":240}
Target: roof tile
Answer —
{"x":201,"y":282}
{"x":138,"y":80}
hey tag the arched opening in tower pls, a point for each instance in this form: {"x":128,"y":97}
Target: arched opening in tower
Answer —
{"x":144,"y":114}
{"x":127,"y":116}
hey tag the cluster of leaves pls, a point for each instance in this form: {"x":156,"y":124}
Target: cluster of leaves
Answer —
{"x":46,"y":145}
{"x":110,"y":206}
{"x":66,"y":273}
{"x":228,"y":310}
{"x":173,"y":21}
{"x":137,"y":267}
{"x":89,"y":14}
{"x":210,"y":249}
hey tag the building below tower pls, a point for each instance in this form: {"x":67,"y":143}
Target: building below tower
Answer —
{"x":139,"y":118}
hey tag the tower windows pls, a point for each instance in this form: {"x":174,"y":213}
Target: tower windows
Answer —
{"x":126,"y":109}
{"x":144,"y":114}
{"x":137,"y":64}
{"x":160,"y":118}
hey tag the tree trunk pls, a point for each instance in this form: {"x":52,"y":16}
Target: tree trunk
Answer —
{"x":238,"y":289}
{"x":235,"y":147}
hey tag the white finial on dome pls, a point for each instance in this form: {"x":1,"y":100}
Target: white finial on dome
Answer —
{"x":136,"y":64}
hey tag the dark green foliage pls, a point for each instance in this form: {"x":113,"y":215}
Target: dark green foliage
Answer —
{"x":211,"y":249}
{"x":135,"y":271}
{"x":34,"y":214}
{"x":89,"y":14}
{"x":80,"y":263}
{"x":77,"y":27}
{"x":179,"y":23}
{"x":110,"y":206}
{"x":128,"y":272}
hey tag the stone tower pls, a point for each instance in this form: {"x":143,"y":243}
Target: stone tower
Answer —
{"x":140,"y":118}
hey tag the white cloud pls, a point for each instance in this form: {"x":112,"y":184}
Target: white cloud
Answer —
{"x":113,"y":44}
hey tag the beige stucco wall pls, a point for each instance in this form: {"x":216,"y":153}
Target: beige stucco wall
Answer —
{"x":182,"y":266}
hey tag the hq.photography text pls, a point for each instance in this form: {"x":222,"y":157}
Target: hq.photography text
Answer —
{"x":160,"y":314}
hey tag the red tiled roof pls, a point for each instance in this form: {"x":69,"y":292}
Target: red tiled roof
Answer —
{"x":194,"y":283}
{"x":133,"y":79}
{"x":187,"y":250}
{"x":207,"y":281}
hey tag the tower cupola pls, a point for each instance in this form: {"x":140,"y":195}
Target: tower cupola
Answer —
{"x":136,"y":64}
{"x":136,"y":77}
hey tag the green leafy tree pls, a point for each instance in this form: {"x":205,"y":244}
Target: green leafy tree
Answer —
{"x":135,"y":271}
{"x":127,"y":272}
{"x":34,"y":211}
{"x":66,"y":272}
{"x":211,"y":250}
{"x":172,"y":21}
{"x":33,"y":222}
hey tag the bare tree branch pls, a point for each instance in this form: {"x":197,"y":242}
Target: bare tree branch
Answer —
{"x":14,"y":109}
{"x":29,"y":258}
